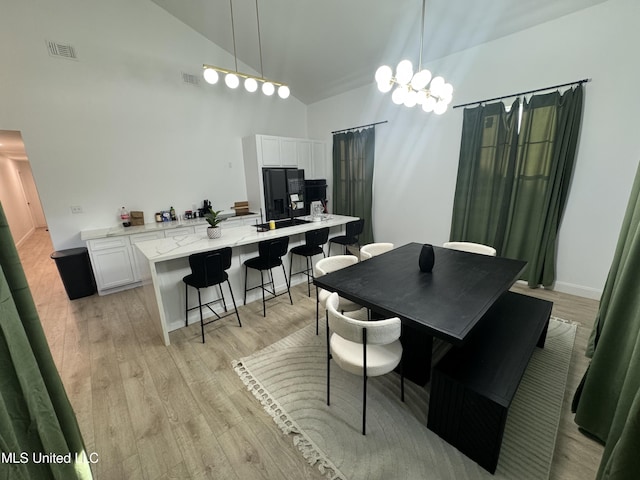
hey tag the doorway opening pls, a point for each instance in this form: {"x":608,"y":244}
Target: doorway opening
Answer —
{"x":18,"y":192}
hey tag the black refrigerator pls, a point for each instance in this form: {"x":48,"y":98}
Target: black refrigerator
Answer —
{"x":315,"y":191}
{"x":283,"y":192}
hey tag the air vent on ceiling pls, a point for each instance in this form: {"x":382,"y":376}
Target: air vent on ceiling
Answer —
{"x":61,"y":50}
{"x":190,"y":79}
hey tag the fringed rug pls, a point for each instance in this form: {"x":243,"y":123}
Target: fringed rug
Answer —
{"x":289,"y":379}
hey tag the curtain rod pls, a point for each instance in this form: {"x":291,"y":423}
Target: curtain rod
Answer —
{"x":361,"y":126}
{"x":584,"y":80}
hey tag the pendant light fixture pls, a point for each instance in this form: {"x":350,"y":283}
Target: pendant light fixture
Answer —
{"x":251,"y":82}
{"x":421,"y":88}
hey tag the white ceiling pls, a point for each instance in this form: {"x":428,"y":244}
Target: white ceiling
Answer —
{"x":322,"y":48}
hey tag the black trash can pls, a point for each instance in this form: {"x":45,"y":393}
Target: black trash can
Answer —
{"x":75,"y":271}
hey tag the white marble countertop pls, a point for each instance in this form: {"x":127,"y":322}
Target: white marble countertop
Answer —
{"x":119,"y":230}
{"x":184,"y":245}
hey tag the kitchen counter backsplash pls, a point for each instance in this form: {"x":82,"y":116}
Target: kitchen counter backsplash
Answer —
{"x":149,"y":227}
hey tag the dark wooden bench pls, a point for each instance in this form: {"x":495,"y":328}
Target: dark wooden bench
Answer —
{"x":473,"y":385}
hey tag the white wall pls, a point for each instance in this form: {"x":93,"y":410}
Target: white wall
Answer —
{"x":417,"y":153}
{"x":12,"y":197}
{"x":119,"y":127}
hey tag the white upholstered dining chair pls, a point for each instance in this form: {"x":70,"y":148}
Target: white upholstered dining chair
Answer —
{"x":328,"y":265}
{"x":361,"y":347}
{"x":471,"y":247}
{"x":372,"y":249}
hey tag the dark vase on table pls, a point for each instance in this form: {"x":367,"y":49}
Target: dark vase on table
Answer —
{"x":427,"y":258}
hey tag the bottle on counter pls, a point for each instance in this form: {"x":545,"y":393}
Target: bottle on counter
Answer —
{"x":124,"y":216}
{"x":172,"y":212}
{"x":158,"y":217}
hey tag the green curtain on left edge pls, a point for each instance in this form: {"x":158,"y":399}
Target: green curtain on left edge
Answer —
{"x":35,"y":413}
{"x":607,"y":403}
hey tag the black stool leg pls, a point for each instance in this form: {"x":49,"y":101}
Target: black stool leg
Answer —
{"x":186,"y":305}
{"x":290,"y":264}
{"x":285,"y":281}
{"x":224,"y":303}
{"x":201,"y":319}
{"x":309,"y":276}
{"x":234,"y":303}
{"x":264,"y":304}
{"x":246,"y":272}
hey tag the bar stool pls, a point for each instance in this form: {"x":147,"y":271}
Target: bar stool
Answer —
{"x":207,"y":270}
{"x":270,"y":253}
{"x":314,"y":241}
{"x":352,"y":232}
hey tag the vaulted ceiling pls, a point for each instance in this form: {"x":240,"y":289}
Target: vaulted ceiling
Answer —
{"x":322,"y":48}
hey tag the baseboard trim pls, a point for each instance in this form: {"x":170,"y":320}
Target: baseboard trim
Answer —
{"x":579,"y":290}
{"x":25,"y":237}
{"x":572,"y":289}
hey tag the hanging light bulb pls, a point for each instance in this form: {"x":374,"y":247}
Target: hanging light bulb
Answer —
{"x":283,"y":91}
{"x":232,"y":80}
{"x":428,"y":104}
{"x":399,"y":95}
{"x":384,"y":74}
{"x":420,"y":79}
{"x":268,"y":88}
{"x":211,"y":76}
{"x":250,"y":85}
{"x":436,"y":86}
{"x":411,"y":99}
{"x":404,"y":72}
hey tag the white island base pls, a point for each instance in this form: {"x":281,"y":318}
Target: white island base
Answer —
{"x":168,"y":263}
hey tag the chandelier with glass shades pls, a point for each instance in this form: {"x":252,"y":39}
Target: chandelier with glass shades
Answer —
{"x":251,"y":82}
{"x":433,"y":94}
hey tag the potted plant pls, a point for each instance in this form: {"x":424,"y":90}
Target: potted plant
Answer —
{"x":214,"y":230}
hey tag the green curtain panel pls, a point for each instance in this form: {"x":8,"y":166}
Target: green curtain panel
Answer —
{"x":545,"y":158}
{"x":485,"y":174}
{"x":353,"y":160}
{"x":512,"y":185}
{"x":35,"y":414}
{"x":607,"y":403}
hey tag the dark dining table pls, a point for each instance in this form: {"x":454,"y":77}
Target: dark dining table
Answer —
{"x":446,"y":303}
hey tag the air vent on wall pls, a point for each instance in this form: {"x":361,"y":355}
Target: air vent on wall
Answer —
{"x":61,"y":50}
{"x":190,"y":79}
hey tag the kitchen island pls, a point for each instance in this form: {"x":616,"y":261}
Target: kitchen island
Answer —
{"x":168,"y":262}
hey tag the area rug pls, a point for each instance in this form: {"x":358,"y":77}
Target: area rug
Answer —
{"x":289,"y":379}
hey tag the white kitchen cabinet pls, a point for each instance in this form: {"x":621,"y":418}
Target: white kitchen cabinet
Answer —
{"x":288,"y":155}
{"x":303,"y":154}
{"x":111,"y":260}
{"x":269,"y":151}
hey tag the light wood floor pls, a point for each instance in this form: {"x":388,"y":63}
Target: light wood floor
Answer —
{"x":155,"y":412}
